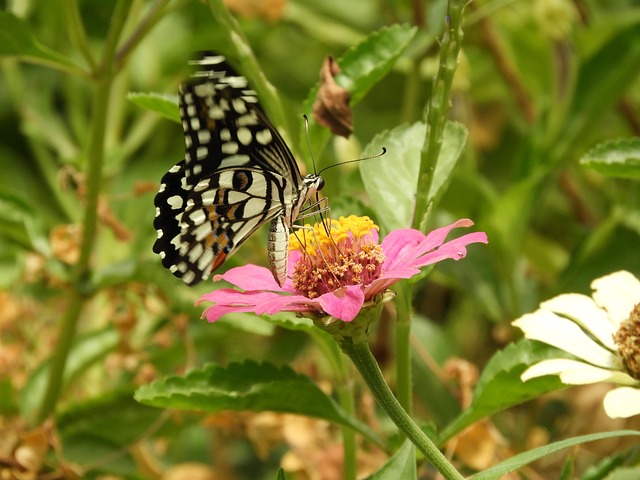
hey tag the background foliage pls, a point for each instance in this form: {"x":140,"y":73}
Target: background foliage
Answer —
{"x":539,"y":85}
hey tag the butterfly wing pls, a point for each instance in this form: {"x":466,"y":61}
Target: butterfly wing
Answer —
{"x":237,"y":174}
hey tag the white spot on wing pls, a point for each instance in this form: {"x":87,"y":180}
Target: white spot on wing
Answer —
{"x":226,"y":179}
{"x":175,"y":202}
{"x":197,"y":217}
{"x":208,"y":197}
{"x":201,"y":231}
{"x":201,"y":153}
{"x":235,"y":197}
{"x":264,"y":137}
{"x":244,"y":135}
{"x":206,"y":89}
{"x":201,"y":185}
{"x":205,"y":259}
{"x":240,"y":106}
{"x":229,"y":148}
{"x":235,"y":82}
{"x":236,"y":160}
{"x":189,"y":277}
{"x":195,"y":252}
{"x":216,"y":113}
{"x":208,"y":60}
{"x":247,"y":119}
{"x":204,"y":136}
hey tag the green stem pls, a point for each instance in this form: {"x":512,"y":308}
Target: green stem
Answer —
{"x":154,"y":14}
{"x":404,"y":376}
{"x":95,"y":157}
{"x":437,"y":109}
{"x":344,"y":389}
{"x":68,"y":324}
{"x":248,"y":64}
{"x":367,"y":366}
{"x":77,"y":32}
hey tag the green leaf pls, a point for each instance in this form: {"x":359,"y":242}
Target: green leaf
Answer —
{"x":615,"y":158}
{"x":602,"y":80}
{"x":97,"y":455}
{"x":96,"y":417}
{"x":368,"y":62}
{"x":500,"y":387}
{"x":163,"y":104}
{"x":8,"y":405}
{"x":605,"y":467}
{"x":626,"y":473}
{"x":390,"y":181}
{"x":86,"y":350}
{"x":247,"y":386}
{"x":20,"y":224}
{"x":454,"y":139}
{"x":280,"y":475}
{"x":290,"y":321}
{"x":361,"y":68}
{"x":16,"y":40}
{"x":526,"y":458}
{"x":507,"y":222}
{"x":401,"y":465}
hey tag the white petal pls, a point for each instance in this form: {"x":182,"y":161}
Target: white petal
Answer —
{"x":584,"y":311}
{"x":571,"y":372}
{"x":622,"y":402}
{"x":562,"y":333}
{"x":617,"y":293}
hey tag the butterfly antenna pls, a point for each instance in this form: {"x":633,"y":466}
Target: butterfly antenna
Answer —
{"x":306,"y":129}
{"x":384,"y":150}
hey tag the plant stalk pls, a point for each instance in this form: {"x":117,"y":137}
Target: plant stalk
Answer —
{"x":366,"y":364}
{"x":95,"y":157}
{"x":435,"y":114}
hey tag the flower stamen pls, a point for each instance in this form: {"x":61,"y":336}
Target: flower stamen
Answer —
{"x":336,"y":253}
{"x":627,"y":338}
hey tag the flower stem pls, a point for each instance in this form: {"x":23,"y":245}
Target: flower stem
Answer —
{"x":344,"y":389}
{"x":404,"y":374}
{"x":436,"y":111}
{"x":367,"y":366}
{"x":95,"y":155}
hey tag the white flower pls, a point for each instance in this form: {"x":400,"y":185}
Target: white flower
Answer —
{"x":602,"y":332}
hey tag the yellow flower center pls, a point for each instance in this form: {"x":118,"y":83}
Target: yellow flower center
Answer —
{"x":627,"y":339}
{"x":335,"y":254}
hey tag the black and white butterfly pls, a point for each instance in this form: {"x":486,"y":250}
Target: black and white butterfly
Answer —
{"x":237,"y":174}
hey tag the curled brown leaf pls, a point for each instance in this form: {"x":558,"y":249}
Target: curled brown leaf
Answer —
{"x":331,"y":108}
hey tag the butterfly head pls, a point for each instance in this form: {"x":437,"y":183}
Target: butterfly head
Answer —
{"x":312,"y":183}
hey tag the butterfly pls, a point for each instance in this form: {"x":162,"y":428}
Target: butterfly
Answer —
{"x":236,"y":175}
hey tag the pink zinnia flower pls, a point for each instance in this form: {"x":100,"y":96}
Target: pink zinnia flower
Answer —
{"x":336,"y":274}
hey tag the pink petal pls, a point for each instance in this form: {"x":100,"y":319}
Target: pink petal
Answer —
{"x":343,"y":304}
{"x":437,"y":236}
{"x":407,"y":250}
{"x":227,"y":300}
{"x":400,"y":244}
{"x":250,"y":277}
